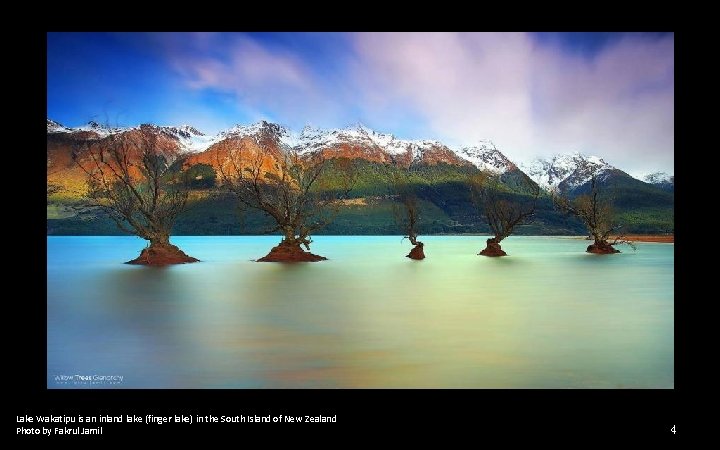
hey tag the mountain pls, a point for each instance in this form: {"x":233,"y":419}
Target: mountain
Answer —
{"x":572,"y":173}
{"x":444,"y":170}
{"x":661,"y":180}
{"x":644,"y":207}
{"x":188,"y":138}
{"x":486,"y":157}
{"x":66,"y":147}
{"x":54,"y":127}
{"x":354,"y":142}
{"x":567,"y":172}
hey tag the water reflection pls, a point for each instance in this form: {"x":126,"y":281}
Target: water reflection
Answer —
{"x":369,"y":317}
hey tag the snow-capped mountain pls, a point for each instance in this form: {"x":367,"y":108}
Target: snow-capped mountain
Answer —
{"x":566,"y":171}
{"x":91,"y":130}
{"x":361,"y":141}
{"x":189,"y":139}
{"x":54,"y":127}
{"x":659,"y":178}
{"x":312,"y":139}
{"x":357,"y":141}
{"x":99,"y":129}
{"x":486,"y":157}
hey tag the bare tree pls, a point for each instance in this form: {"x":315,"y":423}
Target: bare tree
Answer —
{"x":128,"y":177}
{"x":300,"y":193}
{"x":595,"y":211}
{"x":501,"y":211}
{"x":406,"y":210}
{"x":52,"y":188}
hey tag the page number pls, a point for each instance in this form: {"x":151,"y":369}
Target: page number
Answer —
{"x":673,"y":429}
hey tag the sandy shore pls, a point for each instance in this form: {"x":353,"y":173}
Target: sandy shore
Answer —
{"x":669,"y":238}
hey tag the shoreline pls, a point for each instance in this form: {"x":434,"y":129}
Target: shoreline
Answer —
{"x":657,"y":238}
{"x":661,"y":238}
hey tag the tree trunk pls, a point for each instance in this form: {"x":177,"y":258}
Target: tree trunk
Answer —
{"x":601,"y":247}
{"x":159,"y":240}
{"x":493,"y":248}
{"x":289,"y":250}
{"x":289,"y":236}
{"x":417,"y":251}
{"x":161,"y":252}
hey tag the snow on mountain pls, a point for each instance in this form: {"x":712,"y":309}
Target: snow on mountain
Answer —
{"x":284,"y":135}
{"x":564,"y":171}
{"x":55,"y":127}
{"x":240,"y":130}
{"x":572,"y":170}
{"x":313,"y":139}
{"x":382,"y":147}
{"x":92,"y":126}
{"x":183,"y":131}
{"x":197,"y":143}
{"x":659,"y":178}
{"x":191,"y":140}
{"x":486,"y":157}
{"x":99,"y":129}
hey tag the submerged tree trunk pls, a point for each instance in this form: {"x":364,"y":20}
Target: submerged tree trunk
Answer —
{"x":161,"y":253}
{"x":493,"y":248}
{"x":289,"y":251}
{"x":601,"y":247}
{"x":417,"y":251}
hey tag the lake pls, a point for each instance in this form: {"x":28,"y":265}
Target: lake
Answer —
{"x":546,"y":316}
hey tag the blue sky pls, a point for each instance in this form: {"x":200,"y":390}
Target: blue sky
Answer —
{"x":532,"y":94}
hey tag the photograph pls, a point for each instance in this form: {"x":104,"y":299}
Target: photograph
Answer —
{"x":360,"y":211}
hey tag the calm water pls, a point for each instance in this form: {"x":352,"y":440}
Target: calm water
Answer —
{"x":547,"y":316}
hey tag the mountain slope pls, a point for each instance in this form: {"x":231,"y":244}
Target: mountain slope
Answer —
{"x":440,"y":178}
{"x":661,"y":180}
{"x":566,"y":172}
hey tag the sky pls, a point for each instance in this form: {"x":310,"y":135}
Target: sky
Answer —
{"x":532,"y":94}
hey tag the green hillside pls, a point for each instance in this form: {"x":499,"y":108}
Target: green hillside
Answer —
{"x":445,"y":207}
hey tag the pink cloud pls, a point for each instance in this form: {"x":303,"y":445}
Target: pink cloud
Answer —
{"x":531,"y":100}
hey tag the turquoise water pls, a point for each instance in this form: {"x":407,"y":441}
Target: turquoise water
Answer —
{"x":547,"y":316}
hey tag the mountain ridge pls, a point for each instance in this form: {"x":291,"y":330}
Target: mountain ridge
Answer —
{"x":561,"y":171}
{"x":440,"y":177}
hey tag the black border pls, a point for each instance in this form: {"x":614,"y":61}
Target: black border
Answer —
{"x":485,"y":414}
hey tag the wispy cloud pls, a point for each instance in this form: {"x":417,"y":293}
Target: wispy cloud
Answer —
{"x":273,"y":82}
{"x":532,"y":97}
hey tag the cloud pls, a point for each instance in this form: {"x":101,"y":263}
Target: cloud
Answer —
{"x":468,"y":86}
{"x":530,"y":99}
{"x":274,"y":81}
{"x":619,"y":105}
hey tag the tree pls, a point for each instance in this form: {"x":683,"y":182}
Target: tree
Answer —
{"x":300,"y":193}
{"x":502,"y":211}
{"x":52,"y":188}
{"x":595,"y":211}
{"x":128,"y":177}
{"x":406,"y":209}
